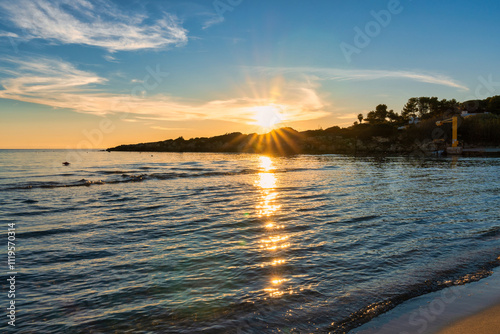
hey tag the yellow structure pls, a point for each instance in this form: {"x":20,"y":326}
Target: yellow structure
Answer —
{"x":454,"y":122}
{"x":454,"y":149}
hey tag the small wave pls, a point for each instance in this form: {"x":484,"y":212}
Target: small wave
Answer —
{"x":191,"y":169}
{"x":356,"y":220}
{"x":190,"y":163}
{"x":112,"y":172}
{"x":39,"y":234}
{"x":132,"y":177}
{"x":56,"y":257}
{"x":30,"y":201}
{"x":51,"y":184}
{"x":491,"y":233}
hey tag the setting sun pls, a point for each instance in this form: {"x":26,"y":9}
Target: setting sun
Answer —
{"x":268,"y":116}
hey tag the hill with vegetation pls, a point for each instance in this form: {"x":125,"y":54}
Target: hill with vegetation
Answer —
{"x":381,"y":131}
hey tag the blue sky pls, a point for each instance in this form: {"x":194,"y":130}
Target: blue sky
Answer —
{"x":162,"y":69}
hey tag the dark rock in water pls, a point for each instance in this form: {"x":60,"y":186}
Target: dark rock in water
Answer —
{"x":65,"y":163}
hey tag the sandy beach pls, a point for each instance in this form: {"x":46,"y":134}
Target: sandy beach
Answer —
{"x":485,"y":322}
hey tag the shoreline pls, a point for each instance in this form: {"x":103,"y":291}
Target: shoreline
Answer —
{"x":486,"y":151}
{"x":465,"y":308}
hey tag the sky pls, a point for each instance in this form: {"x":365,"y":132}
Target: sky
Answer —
{"x":96,"y":74}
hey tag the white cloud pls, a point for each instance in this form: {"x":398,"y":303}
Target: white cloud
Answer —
{"x":96,"y":23}
{"x":8,"y":34}
{"x":59,"y":84}
{"x":349,"y":74}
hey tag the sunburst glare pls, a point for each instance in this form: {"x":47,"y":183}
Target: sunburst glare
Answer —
{"x":268,"y":117}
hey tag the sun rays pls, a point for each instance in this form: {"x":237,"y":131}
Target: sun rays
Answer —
{"x":282,"y":141}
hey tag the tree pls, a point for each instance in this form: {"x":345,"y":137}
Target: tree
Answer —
{"x":425,"y":105}
{"x":410,"y":109}
{"x":381,"y":112}
{"x":360,"y":118}
{"x":494,"y":105}
{"x":393,"y":117}
{"x":379,"y":115}
{"x":428,"y":107}
{"x":475,"y":106}
{"x":371,"y":117}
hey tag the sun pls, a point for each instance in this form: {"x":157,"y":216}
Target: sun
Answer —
{"x":267,"y":117}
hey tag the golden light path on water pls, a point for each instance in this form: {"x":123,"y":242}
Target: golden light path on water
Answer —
{"x":275,"y":242}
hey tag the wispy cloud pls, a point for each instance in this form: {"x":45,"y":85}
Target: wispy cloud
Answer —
{"x":43,"y":78}
{"x":97,"y":23}
{"x":167,"y":129}
{"x":363,"y":75}
{"x":348,"y":116}
{"x":59,"y":84}
{"x":202,"y":12}
{"x":8,"y":34}
{"x":213,"y":20}
{"x":110,"y":58}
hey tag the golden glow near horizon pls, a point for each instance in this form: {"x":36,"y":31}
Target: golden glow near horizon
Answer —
{"x":275,"y":242}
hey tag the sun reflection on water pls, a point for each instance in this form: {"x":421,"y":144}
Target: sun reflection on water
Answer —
{"x":266,"y":163}
{"x":275,"y":242}
{"x":267,"y":183}
{"x":267,"y":180}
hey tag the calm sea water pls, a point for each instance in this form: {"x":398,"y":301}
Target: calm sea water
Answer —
{"x":238,"y":243}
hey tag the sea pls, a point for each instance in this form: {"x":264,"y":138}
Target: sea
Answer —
{"x":130,"y":242}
